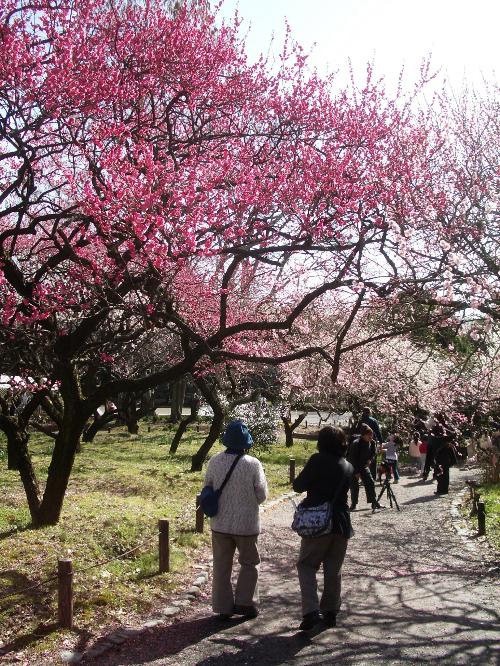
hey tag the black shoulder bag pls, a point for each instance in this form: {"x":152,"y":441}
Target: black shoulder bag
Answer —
{"x":209,"y":498}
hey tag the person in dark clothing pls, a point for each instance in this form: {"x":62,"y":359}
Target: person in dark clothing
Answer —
{"x":366,"y":418}
{"x":326,"y":476}
{"x":359,"y":456}
{"x":446,"y":457}
{"x":442,"y":432}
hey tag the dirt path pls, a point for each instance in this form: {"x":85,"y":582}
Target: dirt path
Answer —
{"x":413,"y":592}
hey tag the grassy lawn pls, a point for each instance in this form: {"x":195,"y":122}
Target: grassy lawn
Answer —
{"x":490,"y":494}
{"x":121,"y":485}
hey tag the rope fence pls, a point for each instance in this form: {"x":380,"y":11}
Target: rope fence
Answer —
{"x":66,"y":572}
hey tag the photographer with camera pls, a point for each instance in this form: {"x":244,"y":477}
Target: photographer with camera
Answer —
{"x":366,"y":418}
{"x":360,"y":455}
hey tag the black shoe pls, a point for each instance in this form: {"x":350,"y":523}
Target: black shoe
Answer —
{"x":440,"y":492}
{"x":247,"y":611}
{"x":310,"y":620}
{"x":376,"y":505}
{"x":330,"y":619}
{"x":352,"y":507}
{"x":223,"y":617}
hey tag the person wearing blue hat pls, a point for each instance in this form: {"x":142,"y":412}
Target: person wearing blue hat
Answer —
{"x":236,"y":525}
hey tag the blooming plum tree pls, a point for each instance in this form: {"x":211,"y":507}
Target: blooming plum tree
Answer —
{"x":153,"y":184}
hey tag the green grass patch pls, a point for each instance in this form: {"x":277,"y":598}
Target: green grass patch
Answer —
{"x":121,"y":485}
{"x":490,"y":495}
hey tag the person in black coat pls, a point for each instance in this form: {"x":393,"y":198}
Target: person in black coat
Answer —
{"x":366,"y":418}
{"x":326,"y":476}
{"x":441,"y":434}
{"x":445,"y":457}
{"x":360,"y":455}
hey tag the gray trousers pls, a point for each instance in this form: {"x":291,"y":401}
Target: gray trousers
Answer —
{"x":330,"y":551}
{"x":246,"y":592}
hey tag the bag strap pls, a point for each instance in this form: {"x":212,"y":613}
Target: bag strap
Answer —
{"x":228,"y":475}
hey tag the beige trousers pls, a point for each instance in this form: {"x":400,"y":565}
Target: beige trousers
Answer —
{"x":330,"y":551}
{"x":246,"y":592}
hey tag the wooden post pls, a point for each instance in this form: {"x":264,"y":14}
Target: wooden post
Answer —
{"x":164,"y":546}
{"x":481,"y":518}
{"x":197,"y":427}
{"x":475,"y":500}
{"x":306,"y":425}
{"x":65,"y":593}
{"x":292,"y":470}
{"x":199,"y":516}
{"x":149,"y":428}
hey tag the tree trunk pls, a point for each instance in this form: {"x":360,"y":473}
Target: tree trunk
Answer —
{"x":290,"y":427}
{"x":148,"y":402}
{"x":28,"y":476}
{"x":17,"y":446}
{"x":287,"y":425}
{"x":215,"y":430}
{"x":127,"y":411}
{"x":12,"y":463}
{"x":60,"y":468}
{"x":177,"y":402}
{"x":131,"y":414}
{"x":181,"y":429}
{"x":183,"y":426}
{"x":99,"y":422}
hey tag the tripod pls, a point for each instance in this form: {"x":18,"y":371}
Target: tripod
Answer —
{"x":386,"y":488}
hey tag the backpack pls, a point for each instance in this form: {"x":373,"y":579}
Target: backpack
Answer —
{"x":209,"y":498}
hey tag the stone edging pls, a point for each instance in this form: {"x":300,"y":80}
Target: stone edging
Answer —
{"x":182,"y":600}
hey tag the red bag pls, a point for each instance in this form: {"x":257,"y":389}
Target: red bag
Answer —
{"x":422,"y":447}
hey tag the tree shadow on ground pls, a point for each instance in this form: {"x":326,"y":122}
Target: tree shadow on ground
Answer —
{"x":420,"y":482}
{"x":273,"y":648}
{"x":421,"y":500}
{"x":164,"y":641}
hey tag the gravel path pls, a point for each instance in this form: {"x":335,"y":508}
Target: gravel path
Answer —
{"x":414,"y":592}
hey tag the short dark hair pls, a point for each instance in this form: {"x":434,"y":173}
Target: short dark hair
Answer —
{"x":332,"y":440}
{"x":367,"y":411}
{"x":365,"y":430}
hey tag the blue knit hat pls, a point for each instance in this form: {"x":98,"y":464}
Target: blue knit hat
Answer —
{"x":236,"y":436}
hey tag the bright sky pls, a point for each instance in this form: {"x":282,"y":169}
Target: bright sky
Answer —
{"x":462,"y":35}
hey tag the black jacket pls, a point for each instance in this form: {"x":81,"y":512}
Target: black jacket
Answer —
{"x":321,"y":478}
{"x":446,"y":455}
{"x":360,"y":453}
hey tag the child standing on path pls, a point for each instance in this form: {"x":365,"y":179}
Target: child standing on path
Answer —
{"x":391,"y":448}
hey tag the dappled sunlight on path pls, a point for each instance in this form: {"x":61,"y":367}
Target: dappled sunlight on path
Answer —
{"x":413,"y":593}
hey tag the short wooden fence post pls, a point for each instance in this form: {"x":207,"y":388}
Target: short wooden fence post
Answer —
{"x":292,"y":470}
{"x":199,"y":516}
{"x":149,"y":428}
{"x":164,"y":546}
{"x":306,"y":425}
{"x":65,"y":593}
{"x":475,"y":500}
{"x":481,"y":518}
